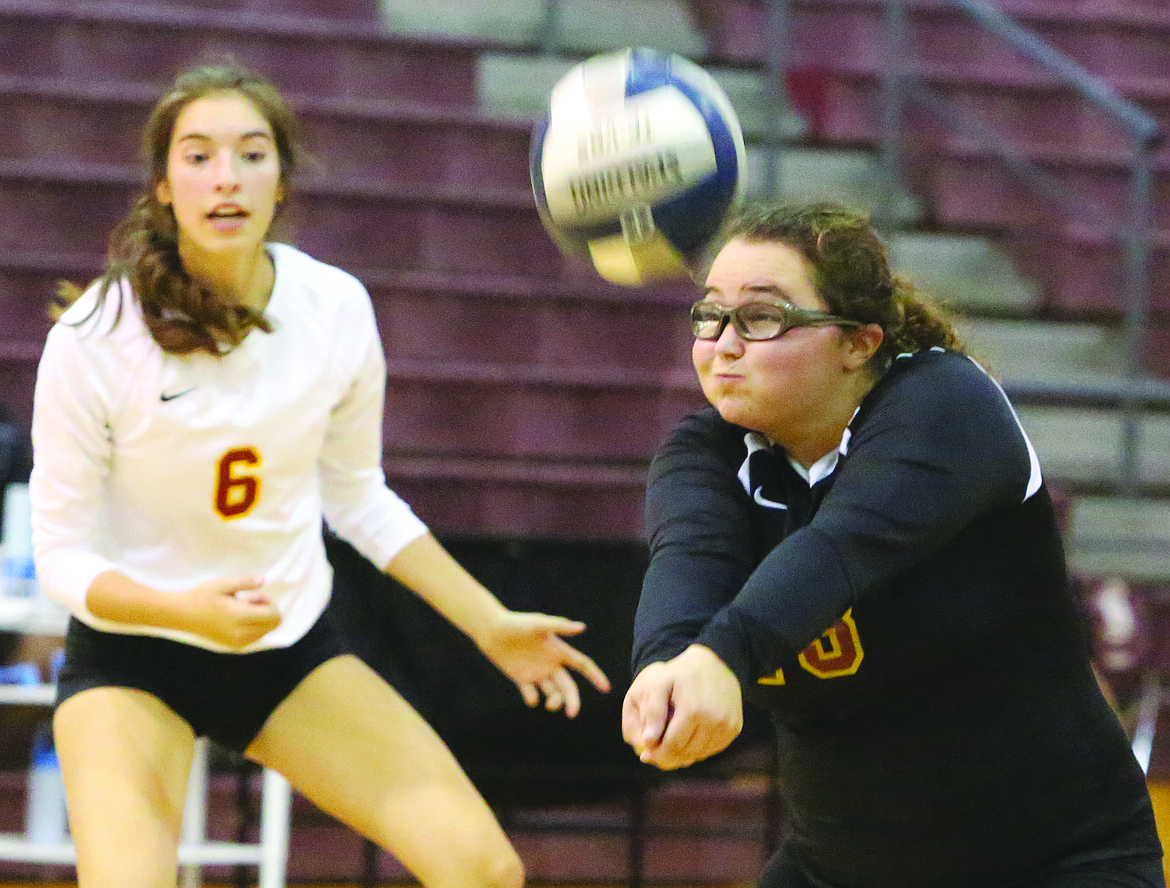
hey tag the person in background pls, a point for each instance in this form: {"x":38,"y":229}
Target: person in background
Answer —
{"x":198,"y":411}
{"x":856,"y":535}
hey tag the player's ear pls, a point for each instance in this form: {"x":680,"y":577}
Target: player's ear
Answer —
{"x":162,"y":190}
{"x":862,"y":344}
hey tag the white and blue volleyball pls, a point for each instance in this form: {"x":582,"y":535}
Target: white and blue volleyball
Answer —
{"x":638,"y":165}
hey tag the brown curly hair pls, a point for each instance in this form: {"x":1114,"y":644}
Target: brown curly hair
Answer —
{"x":851,"y":272}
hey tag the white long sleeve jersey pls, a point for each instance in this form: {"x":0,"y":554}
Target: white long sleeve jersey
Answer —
{"x":174,"y":470}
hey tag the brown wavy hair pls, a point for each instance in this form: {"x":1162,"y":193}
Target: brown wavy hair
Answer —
{"x":851,"y":272}
{"x":183,"y":315}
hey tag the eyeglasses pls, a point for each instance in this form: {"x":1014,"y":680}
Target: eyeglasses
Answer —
{"x":758,"y":321}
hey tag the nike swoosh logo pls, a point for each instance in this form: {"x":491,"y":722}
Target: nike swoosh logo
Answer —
{"x":164,"y":397}
{"x":759,"y":497}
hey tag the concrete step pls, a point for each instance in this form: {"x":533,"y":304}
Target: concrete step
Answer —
{"x":1075,"y":271}
{"x":1047,"y":352}
{"x":518,"y":84}
{"x":970,"y":272}
{"x":517,"y":77}
{"x":855,"y":178}
{"x":1118,"y":536}
{"x":1080,"y":447}
{"x":347,"y":10}
{"x":577,"y":27}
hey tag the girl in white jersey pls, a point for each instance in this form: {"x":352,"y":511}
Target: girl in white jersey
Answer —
{"x":198,"y":411}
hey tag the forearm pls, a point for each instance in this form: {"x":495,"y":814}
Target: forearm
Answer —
{"x":428,"y":570}
{"x":114,"y":596}
{"x":681,"y":592}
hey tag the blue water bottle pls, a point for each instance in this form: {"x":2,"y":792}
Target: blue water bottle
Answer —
{"x":46,"y":822}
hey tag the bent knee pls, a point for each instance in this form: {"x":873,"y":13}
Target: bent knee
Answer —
{"x":495,"y":865}
{"x":505,"y":871}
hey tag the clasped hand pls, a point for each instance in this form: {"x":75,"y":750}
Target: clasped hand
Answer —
{"x":683,"y":710}
{"x":231,"y":610}
{"x":528,"y":648}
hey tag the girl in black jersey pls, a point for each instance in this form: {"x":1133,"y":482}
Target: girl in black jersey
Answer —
{"x":857,"y":537}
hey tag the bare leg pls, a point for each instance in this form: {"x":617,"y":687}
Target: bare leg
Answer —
{"x":125,"y":757}
{"x":354,"y":747}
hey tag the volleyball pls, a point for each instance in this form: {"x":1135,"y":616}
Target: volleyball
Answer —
{"x":638,"y":164}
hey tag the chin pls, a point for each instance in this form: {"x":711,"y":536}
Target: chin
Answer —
{"x":734,"y":412}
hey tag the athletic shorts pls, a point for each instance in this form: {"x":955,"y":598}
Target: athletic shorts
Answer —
{"x":226,"y":697}
{"x":783,"y":871}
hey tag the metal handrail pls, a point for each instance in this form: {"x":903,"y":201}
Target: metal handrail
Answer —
{"x":1145,"y":134}
{"x":1134,"y":233}
{"x":1140,"y":124}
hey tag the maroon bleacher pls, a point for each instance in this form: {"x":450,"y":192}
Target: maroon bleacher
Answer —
{"x":551,"y":385}
{"x":144,"y":43}
{"x":524,"y":395}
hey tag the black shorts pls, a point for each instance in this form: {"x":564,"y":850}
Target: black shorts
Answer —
{"x":783,"y":871}
{"x":226,"y":697}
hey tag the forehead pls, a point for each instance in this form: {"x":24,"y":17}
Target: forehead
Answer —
{"x":742,"y":267}
{"x":220,"y":116}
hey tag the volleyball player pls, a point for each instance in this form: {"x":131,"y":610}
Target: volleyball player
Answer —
{"x":856,"y":535}
{"x":198,"y":411}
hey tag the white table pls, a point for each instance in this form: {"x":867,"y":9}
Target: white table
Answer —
{"x":38,"y":616}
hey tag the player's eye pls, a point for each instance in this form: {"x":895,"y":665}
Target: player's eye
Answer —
{"x":761,"y":321}
{"x":707,"y":319}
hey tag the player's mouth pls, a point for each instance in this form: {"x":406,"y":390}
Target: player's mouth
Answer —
{"x":726,"y":373}
{"x":228,"y":217}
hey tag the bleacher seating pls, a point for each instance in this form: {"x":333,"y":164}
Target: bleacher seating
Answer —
{"x":144,"y":43}
{"x":836,"y":68}
{"x":523,"y":398}
{"x":504,"y":356}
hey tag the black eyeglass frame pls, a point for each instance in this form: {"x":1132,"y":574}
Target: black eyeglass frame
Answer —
{"x":791,"y":318}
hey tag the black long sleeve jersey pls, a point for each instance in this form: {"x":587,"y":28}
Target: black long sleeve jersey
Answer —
{"x":909,"y":623}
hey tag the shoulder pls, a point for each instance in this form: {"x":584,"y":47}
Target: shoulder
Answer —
{"x":317,"y":290}
{"x":102,"y":308}
{"x":702,"y":439}
{"x":105,"y":318}
{"x":313,"y":272}
{"x":936,"y":368}
{"x":693,"y":489}
{"x":938,"y":384}
{"x":706,"y":429}
{"x":288,"y":257}
{"x":943,"y":409}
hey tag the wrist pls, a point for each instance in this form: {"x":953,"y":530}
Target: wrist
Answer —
{"x":484,"y":626}
{"x":703,"y":659}
{"x":696,"y":651}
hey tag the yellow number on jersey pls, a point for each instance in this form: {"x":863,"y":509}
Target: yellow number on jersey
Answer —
{"x":837,"y":652}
